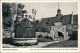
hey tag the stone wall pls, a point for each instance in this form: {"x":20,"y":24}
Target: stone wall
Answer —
{"x":59,"y":28}
{"x":54,"y":31}
{"x":41,"y":33}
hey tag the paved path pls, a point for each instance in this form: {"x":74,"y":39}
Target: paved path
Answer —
{"x":40,"y":45}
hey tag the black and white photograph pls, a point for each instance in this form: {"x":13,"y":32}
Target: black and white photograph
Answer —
{"x":39,"y":24}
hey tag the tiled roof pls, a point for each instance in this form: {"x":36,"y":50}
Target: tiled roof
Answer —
{"x":65,"y":19}
{"x":48,"y":21}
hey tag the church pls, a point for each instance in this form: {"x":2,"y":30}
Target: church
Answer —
{"x":61,"y":27}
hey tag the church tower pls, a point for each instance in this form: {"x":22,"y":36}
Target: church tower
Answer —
{"x":58,"y":11}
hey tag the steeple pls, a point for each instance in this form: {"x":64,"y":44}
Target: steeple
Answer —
{"x":58,"y":11}
{"x":58,"y":5}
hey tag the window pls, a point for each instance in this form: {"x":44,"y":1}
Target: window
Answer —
{"x":49,"y":19}
{"x":75,"y":28}
{"x":47,"y":22}
{"x":40,"y":36}
{"x":61,"y":17}
{"x":61,"y":21}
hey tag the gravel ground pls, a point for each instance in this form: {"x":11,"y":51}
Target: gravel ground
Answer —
{"x":40,"y":45}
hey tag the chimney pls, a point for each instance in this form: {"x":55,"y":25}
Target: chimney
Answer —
{"x":72,"y":18}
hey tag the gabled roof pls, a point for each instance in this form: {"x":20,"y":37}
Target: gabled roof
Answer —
{"x":68,"y":18}
{"x":48,"y":21}
{"x":65,"y":19}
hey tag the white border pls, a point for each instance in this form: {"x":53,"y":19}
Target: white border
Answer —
{"x":29,"y":49}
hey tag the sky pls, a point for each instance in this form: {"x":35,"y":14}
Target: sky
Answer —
{"x":49,"y":9}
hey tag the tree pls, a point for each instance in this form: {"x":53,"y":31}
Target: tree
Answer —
{"x":42,"y":29}
{"x":19,"y":9}
{"x":21,"y":6}
{"x":36,"y":22}
{"x":8,"y":12}
{"x":23,"y":12}
{"x":6,"y":15}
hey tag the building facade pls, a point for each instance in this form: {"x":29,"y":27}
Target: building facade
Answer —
{"x":62,"y":26}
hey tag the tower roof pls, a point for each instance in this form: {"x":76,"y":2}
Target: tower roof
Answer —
{"x":58,"y":7}
{"x":59,"y":10}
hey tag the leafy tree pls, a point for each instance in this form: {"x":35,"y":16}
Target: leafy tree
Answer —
{"x":19,"y":9}
{"x":36,"y":22}
{"x":42,"y":29}
{"x":21,"y":6}
{"x":23,"y":12}
{"x":6,"y":13}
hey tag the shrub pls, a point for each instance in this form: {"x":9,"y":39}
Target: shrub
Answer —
{"x":74,"y":35}
{"x":42,"y":29}
{"x":7,"y":40}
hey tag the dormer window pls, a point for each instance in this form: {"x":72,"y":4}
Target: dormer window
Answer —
{"x":49,"y":19}
{"x":47,"y":22}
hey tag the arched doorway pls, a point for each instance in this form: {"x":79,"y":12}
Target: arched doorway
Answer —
{"x":60,"y":36}
{"x":40,"y":36}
